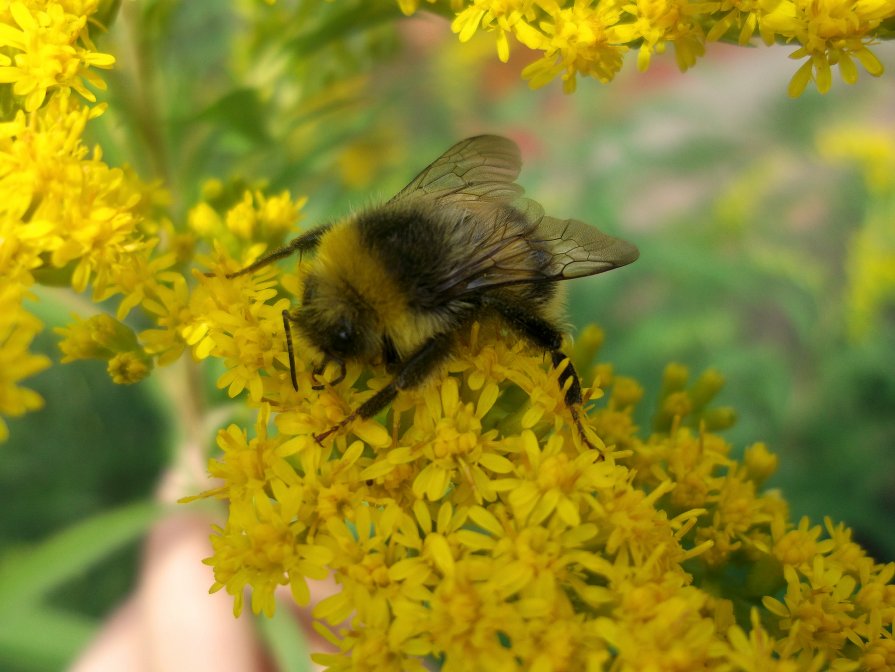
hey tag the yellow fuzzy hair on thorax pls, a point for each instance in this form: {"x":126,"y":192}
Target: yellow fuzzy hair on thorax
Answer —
{"x":343,"y":261}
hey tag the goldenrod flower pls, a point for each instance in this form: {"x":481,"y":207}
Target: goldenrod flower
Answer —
{"x":264,"y":544}
{"x":755,"y":650}
{"x":104,"y":337}
{"x":469,"y":521}
{"x":499,"y":16}
{"x":579,"y":39}
{"x":17,"y":330}
{"x":831,"y":32}
{"x":246,"y":339}
{"x":871,"y":253}
{"x":66,"y":217}
{"x":743,"y":14}
{"x":590,"y":37}
{"x":261,"y":218}
{"x":127,"y":368}
{"x":51,"y":48}
{"x":657,"y":22}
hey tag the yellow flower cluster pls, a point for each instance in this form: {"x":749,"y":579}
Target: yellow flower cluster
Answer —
{"x":17,"y":330}
{"x":47,"y":48}
{"x":204,"y":317}
{"x":469,"y":524}
{"x":591,"y":37}
{"x":67,"y":218}
{"x":233,"y":321}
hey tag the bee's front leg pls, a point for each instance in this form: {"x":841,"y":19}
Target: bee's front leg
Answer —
{"x":318,"y":371}
{"x":410,"y":373}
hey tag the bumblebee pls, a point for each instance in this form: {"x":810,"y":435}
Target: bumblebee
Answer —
{"x":395,"y":284}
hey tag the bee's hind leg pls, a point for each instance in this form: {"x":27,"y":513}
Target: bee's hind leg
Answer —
{"x":544,"y":334}
{"x":574,"y":399}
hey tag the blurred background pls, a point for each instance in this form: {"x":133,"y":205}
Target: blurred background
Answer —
{"x":765,"y":226}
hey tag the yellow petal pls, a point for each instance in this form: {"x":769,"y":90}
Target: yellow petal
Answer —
{"x":800,"y":80}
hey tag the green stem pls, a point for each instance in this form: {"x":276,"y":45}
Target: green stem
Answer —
{"x":143,"y":99}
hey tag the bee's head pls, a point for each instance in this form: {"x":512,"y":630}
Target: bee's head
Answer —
{"x":336,"y":320}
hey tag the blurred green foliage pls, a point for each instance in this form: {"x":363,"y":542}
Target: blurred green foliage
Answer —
{"x":78,"y":479}
{"x":744,"y":232}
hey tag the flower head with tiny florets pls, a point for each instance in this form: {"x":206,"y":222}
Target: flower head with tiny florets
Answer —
{"x":469,"y":518}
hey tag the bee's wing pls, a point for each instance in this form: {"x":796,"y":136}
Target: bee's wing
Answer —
{"x":579,"y":249}
{"x":548,"y":249}
{"x":513,"y":241}
{"x":480,"y":169}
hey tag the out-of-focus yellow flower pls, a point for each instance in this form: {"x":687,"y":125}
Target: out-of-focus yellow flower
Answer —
{"x":127,"y":368}
{"x":871,"y":253}
{"x":259,"y":217}
{"x":104,"y":337}
{"x":760,"y":463}
{"x":359,"y":163}
{"x":17,"y":330}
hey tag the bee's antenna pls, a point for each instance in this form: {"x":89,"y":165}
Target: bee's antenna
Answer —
{"x":288,"y":328}
{"x":307,"y":241}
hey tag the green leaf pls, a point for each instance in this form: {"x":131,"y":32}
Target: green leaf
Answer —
{"x":42,"y":639}
{"x":241,"y":110}
{"x":342,"y":25}
{"x":26,"y":577}
{"x":284,"y":635}
{"x":106,"y":14}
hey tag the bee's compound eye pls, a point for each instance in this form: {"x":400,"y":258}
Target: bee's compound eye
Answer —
{"x":343,"y":336}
